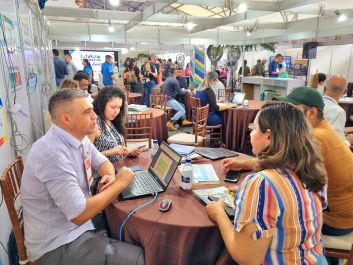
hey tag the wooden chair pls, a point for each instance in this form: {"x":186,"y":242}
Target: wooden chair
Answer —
{"x":158,"y":102}
{"x":139,"y":130}
{"x":200,"y":116}
{"x":340,"y":247}
{"x":215,"y":132}
{"x":224,"y":93}
{"x":10,"y":186}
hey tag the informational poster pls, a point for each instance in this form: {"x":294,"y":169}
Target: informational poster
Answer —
{"x":95,"y":58}
{"x":15,"y":78}
{"x":3,"y":129}
{"x":11,"y":34}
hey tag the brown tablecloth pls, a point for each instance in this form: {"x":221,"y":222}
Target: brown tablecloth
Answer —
{"x":236,"y":122}
{"x":160,"y":131}
{"x":347,"y":105}
{"x":183,"y":235}
{"x":135,"y":98}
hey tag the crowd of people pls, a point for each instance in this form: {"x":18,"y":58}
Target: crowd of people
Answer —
{"x":300,"y":188}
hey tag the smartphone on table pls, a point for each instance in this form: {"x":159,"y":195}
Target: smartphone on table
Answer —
{"x":232,"y":176}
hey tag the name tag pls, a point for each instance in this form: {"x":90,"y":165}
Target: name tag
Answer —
{"x":88,"y":170}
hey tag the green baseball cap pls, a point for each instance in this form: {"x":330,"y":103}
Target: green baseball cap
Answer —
{"x":304,"y":95}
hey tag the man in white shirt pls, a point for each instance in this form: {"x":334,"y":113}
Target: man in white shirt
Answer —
{"x":70,"y":66}
{"x":334,"y":88}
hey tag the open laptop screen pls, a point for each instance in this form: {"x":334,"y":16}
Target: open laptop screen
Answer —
{"x":238,"y":98}
{"x":165,"y":163}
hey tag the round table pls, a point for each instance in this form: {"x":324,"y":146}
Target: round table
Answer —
{"x":134,"y":98}
{"x":183,"y":235}
{"x":347,"y":105}
{"x":159,"y":131}
{"x":236,"y":123}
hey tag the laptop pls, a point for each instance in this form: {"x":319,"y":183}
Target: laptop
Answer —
{"x":158,"y":176}
{"x":215,"y":153}
{"x":237,"y":98}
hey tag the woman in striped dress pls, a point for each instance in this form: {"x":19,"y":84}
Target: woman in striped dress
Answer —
{"x":278,"y":209}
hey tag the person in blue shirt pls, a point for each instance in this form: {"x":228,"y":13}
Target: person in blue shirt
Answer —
{"x":60,"y":68}
{"x":273,"y":67}
{"x":87,"y":68}
{"x":107,"y":71}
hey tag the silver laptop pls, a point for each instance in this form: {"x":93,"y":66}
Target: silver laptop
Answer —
{"x":237,"y":98}
{"x":158,"y":176}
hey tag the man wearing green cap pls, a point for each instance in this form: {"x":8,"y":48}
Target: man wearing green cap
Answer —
{"x":338,"y":219}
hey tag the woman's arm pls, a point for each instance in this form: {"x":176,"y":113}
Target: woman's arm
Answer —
{"x":240,"y":245}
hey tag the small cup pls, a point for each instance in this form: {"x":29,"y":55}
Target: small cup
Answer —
{"x":245,"y":103}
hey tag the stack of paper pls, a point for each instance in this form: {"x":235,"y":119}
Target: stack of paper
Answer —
{"x":137,"y":108}
{"x":183,"y":150}
{"x":203,"y":173}
{"x":220,"y":192}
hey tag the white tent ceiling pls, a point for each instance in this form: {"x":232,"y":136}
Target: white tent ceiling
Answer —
{"x":161,"y":24}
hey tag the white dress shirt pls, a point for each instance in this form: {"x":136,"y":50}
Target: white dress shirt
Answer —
{"x":335,"y":115}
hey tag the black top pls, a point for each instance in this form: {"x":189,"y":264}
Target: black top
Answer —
{"x":211,"y":99}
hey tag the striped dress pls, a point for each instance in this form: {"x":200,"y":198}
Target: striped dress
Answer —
{"x":277,"y":203}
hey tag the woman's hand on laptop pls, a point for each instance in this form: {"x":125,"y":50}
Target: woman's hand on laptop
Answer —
{"x":125,"y":177}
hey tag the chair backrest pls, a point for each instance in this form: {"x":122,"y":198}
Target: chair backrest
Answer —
{"x":139,"y":127}
{"x":10,"y":186}
{"x":195,"y":102}
{"x":200,"y":115}
{"x":224,"y":93}
{"x":158,"y":101}
{"x":128,"y":88}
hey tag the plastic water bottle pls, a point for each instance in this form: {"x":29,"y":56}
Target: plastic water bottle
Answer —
{"x":187,"y":176}
{"x":154,"y":148}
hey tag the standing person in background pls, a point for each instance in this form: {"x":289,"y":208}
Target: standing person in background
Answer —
{"x":273,"y":67}
{"x":181,"y":79}
{"x":148,"y":75}
{"x":160,"y":72}
{"x":107,"y":71}
{"x":263,"y":63}
{"x":71,"y":68}
{"x":132,"y":75}
{"x":87,"y":68}
{"x":60,"y":68}
{"x":218,"y":86}
{"x":246,"y":70}
{"x":259,"y":70}
{"x":187,"y":70}
{"x":317,"y":81}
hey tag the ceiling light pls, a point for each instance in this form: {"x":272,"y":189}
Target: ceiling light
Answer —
{"x":132,"y":48}
{"x":124,"y":51}
{"x":77,"y":49}
{"x":248,"y":33}
{"x":342,"y":18}
{"x":110,"y":26}
{"x":190,"y":26}
{"x":242,"y":7}
{"x":114,"y":2}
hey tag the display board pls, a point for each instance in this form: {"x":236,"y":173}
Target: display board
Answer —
{"x":96,"y":58}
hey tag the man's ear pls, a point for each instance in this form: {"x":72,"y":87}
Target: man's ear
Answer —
{"x":65,"y":118}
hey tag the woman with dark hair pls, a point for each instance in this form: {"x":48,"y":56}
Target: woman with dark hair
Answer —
{"x":278,"y":209}
{"x":131,"y":75}
{"x":109,"y":105}
{"x":87,"y":68}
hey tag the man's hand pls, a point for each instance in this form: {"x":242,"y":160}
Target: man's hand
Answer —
{"x":215,"y":209}
{"x":125,"y":177}
{"x":105,"y":182}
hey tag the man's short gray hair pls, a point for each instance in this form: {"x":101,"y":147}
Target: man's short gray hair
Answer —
{"x":334,"y":87}
{"x":64,"y":95}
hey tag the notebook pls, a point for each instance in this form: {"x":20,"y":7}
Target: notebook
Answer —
{"x":158,"y":176}
{"x":215,"y":153}
{"x":237,"y":98}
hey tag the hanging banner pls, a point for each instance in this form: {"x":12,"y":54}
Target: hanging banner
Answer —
{"x":3,"y":129}
{"x":197,"y":66}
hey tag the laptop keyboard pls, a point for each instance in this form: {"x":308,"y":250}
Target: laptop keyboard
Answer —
{"x":144,"y":183}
